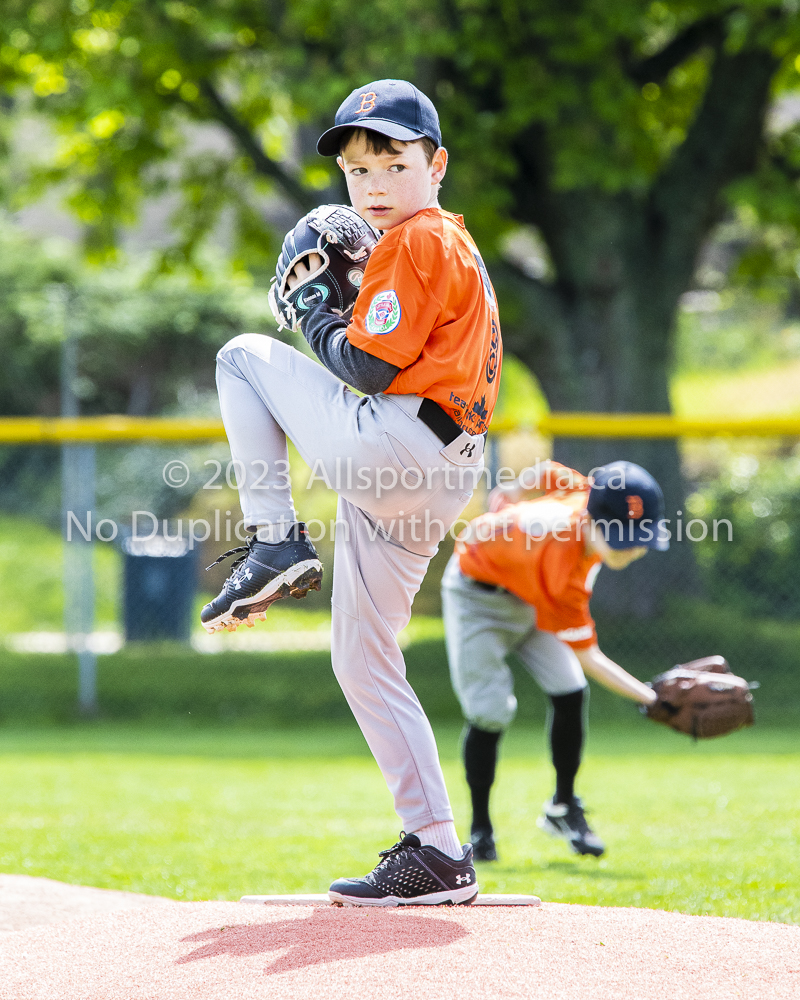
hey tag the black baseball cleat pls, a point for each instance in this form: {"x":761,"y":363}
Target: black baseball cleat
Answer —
{"x":569,"y":823}
{"x":411,"y":875}
{"x":264,"y":574}
{"x":483,"y":848}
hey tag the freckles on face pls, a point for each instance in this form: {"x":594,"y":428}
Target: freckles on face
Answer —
{"x":386,"y":189}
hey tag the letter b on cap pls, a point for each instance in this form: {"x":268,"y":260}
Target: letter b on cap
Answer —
{"x":635,"y":507}
{"x":367,"y":102}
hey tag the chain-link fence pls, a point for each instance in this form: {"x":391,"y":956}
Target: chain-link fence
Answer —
{"x":105,"y":544}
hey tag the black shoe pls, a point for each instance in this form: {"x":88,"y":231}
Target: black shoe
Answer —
{"x":410,"y":875}
{"x":569,"y":823}
{"x":483,"y":848}
{"x":263,"y":575}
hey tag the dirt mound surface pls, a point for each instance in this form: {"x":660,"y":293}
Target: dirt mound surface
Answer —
{"x":29,"y":902}
{"x":222,"y":951}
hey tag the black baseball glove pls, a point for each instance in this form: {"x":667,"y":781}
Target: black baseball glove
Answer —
{"x":344,"y":242}
{"x":702,"y":698}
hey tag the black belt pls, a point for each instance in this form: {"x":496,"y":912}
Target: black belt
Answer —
{"x":442,"y":425}
{"x":487,"y":586}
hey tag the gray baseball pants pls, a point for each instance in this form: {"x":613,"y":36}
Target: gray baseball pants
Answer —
{"x":482,"y":628}
{"x":399,"y":492}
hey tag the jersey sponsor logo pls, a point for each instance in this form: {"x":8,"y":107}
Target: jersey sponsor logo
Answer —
{"x":479,"y":407}
{"x":488,"y":291}
{"x":367,"y":102}
{"x":635,"y":507}
{"x":494,"y":354}
{"x":384,"y":313}
{"x":476,"y":415}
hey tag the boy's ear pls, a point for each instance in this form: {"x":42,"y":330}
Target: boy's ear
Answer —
{"x":340,"y":162}
{"x":439,"y":165}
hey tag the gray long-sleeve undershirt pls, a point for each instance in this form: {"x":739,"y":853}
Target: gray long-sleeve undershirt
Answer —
{"x":327,"y":337}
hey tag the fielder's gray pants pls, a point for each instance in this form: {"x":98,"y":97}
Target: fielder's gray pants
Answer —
{"x":482,"y":628}
{"x":399,"y":492}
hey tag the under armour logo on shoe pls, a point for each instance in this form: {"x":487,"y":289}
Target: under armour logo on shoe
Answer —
{"x":467,"y":450}
{"x":463,"y":878}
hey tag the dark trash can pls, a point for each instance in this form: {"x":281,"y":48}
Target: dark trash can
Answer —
{"x":159,"y":586}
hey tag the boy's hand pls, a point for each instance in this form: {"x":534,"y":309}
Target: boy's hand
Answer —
{"x":303,"y":270}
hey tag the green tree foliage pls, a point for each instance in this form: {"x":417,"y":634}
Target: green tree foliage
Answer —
{"x":144,"y":345}
{"x":613,"y":133}
{"x":613,"y":129}
{"x":30,"y":372}
{"x":756,"y":571}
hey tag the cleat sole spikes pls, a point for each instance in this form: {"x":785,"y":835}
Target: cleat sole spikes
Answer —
{"x":299,"y":590}
{"x":310,"y":578}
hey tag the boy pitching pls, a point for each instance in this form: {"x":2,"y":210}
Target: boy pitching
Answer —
{"x":424,"y":347}
{"x":520,"y":582}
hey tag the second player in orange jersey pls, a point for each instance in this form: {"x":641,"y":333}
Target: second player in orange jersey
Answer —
{"x":519,"y":582}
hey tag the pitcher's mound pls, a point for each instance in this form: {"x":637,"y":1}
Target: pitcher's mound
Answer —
{"x":222,"y":951}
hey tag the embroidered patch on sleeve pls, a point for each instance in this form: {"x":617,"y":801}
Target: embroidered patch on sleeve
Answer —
{"x":384,"y":313}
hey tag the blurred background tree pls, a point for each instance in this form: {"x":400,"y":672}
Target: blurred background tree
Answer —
{"x":612,"y":136}
{"x":595,"y":149}
{"x":145,"y":347}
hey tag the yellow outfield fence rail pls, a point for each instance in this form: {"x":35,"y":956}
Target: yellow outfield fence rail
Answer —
{"x":649,"y":425}
{"x":106,"y":430}
{"x":112,"y":429}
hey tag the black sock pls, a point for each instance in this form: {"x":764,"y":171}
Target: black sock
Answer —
{"x":566,"y":741}
{"x":480,"y":761}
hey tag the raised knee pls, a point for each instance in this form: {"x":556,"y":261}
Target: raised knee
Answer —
{"x":244,"y":341}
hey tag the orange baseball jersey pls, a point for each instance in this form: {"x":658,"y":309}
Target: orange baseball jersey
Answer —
{"x":535,"y":549}
{"x":426,"y":305}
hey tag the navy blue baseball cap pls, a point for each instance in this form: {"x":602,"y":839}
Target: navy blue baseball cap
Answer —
{"x":392,"y":107}
{"x":630,"y":502}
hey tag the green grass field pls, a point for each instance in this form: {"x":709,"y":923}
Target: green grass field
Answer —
{"x":214,"y":813}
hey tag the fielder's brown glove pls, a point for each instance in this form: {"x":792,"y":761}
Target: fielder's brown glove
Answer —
{"x":702,"y":698}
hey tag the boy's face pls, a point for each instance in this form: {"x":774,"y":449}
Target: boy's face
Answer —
{"x":386,"y":189}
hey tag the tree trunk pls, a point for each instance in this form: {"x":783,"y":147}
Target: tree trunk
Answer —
{"x":599,"y":338}
{"x":599,"y":342}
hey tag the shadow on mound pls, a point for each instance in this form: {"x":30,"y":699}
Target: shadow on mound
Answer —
{"x":325,"y":935}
